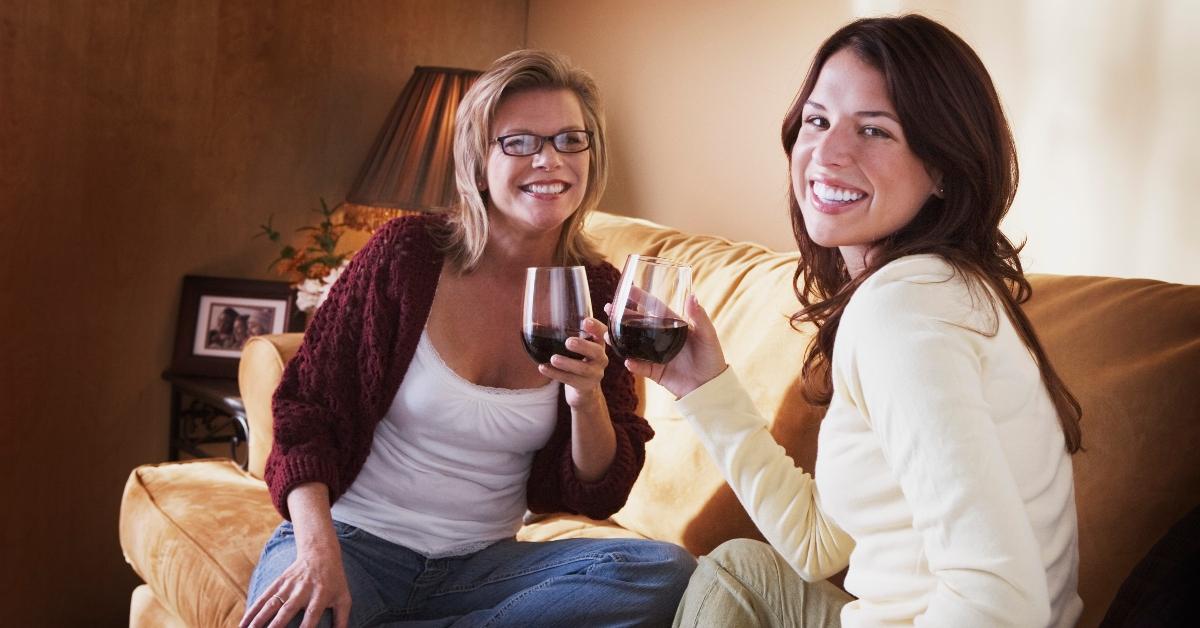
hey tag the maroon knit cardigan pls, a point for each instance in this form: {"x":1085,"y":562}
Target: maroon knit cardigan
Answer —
{"x":358,"y":348}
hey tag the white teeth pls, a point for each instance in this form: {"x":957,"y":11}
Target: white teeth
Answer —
{"x":545,"y":188}
{"x":832,"y":194}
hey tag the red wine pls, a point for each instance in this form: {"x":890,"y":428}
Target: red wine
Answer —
{"x":646,"y":338}
{"x":541,"y":342}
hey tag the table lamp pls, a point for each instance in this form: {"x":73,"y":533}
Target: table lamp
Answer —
{"x":410,"y":167}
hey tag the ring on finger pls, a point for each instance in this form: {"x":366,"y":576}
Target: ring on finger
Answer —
{"x":281,"y":600}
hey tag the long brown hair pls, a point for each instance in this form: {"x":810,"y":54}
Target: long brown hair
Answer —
{"x":954,"y":123}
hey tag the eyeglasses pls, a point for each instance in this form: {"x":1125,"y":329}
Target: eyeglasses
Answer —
{"x":526,"y":144}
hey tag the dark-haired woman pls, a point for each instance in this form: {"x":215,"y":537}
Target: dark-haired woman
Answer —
{"x":943,"y":474}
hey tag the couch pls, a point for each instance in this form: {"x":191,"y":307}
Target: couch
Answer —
{"x":1128,"y":348}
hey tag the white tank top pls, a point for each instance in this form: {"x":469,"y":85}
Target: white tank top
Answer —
{"x":449,"y":461}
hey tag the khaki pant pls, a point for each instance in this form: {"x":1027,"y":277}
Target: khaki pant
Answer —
{"x":747,"y":583}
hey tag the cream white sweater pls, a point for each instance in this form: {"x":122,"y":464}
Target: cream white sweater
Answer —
{"x":942,"y":477}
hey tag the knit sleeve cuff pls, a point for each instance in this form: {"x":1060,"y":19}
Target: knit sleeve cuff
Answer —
{"x":288,"y":473}
{"x":603,"y":497}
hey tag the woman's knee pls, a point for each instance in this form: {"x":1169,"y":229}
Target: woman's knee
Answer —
{"x":277,"y":554}
{"x":660,"y":570}
{"x":735,"y":554}
{"x":672,"y":562}
{"x":727,"y":588}
{"x":746,"y":562}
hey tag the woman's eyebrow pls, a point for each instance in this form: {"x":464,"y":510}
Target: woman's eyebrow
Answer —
{"x":861,"y":114}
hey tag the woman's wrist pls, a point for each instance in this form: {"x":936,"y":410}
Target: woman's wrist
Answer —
{"x":315,"y":537}
{"x":312,"y":519}
{"x":689,"y":387}
{"x":590,"y":402}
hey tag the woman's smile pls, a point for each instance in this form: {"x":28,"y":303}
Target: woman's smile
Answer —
{"x":546,"y":190}
{"x":829,"y":198}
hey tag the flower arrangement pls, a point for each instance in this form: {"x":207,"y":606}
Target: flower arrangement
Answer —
{"x":311,"y":269}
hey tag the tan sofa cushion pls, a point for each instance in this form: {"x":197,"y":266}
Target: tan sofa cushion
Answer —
{"x":193,"y":531}
{"x":555,"y":527}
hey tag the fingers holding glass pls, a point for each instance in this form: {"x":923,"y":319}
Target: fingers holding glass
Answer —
{"x":585,"y":372}
{"x":556,"y":304}
{"x":700,"y":359}
{"x":646,"y":324}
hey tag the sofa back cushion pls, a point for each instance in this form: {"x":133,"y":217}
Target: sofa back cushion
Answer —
{"x":1129,"y":349}
{"x":259,"y":373}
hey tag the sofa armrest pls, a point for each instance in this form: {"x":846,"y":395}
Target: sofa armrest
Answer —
{"x":259,"y":373}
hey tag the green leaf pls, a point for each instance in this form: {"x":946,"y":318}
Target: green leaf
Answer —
{"x":268,"y":230}
{"x":322,"y":243}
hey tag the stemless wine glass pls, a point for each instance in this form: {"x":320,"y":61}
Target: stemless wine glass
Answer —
{"x":648,"y":321}
{"x":557,"y":300}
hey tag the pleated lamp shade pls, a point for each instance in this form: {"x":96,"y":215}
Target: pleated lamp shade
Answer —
{"x":411,"y":165}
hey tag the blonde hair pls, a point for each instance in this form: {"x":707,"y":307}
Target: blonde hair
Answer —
{"x":518,"y":71}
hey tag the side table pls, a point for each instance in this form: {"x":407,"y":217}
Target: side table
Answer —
{"x":205,"y":411}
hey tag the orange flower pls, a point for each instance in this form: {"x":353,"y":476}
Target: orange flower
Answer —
{"x":317,"y":270}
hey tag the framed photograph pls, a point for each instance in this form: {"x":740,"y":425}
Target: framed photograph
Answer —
{"x":217,"y":315}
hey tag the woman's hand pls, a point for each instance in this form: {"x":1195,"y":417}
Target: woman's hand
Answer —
{"x":313,"y":582}
{"x":316,"y":579}
{"x":581,"y":377}
{"x":593,"y":440}
{"x":700,"y":360}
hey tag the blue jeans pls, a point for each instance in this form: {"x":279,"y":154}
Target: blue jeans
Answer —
{"x":573,"y":583}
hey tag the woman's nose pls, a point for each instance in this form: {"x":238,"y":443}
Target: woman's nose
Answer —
{"x":548,"y":158}
{"x":833,"y":148}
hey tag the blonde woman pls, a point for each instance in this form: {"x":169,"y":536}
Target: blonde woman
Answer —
{"x":412,"y":431}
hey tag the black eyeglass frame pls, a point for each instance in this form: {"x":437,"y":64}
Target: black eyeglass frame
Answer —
{"x":541,"y":142}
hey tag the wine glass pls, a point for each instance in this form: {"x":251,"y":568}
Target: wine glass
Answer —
{"x":557,"y":300}
{"x":648,"y":322}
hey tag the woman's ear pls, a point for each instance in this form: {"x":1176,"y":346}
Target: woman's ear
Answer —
{"x":939,"y":188}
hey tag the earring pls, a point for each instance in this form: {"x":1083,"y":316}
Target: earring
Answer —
{"x":941,"y":190}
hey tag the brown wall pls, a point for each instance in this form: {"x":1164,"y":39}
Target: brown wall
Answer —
{"x":141,"y":140}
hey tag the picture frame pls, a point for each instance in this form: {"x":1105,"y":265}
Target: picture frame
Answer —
{"x":218,"y":314}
